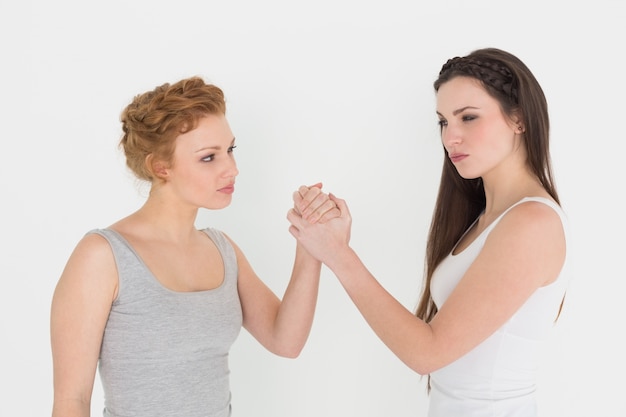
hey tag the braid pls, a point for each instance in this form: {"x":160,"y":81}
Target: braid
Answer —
{"x":152,"y":121}
{"x":493,"y":74}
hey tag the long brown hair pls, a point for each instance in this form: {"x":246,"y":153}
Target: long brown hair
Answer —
{"x":460,"y":201}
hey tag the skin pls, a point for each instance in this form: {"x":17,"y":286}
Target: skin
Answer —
{"x":182,"y":258}
{"x":525,"y":251}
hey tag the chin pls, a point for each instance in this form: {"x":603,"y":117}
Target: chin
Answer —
{"x":218,"y":206}
{"x":471,"y":177}
{"x":468,"y":175}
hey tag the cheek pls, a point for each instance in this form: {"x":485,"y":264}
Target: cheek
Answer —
{"x":493,"y":136}
{"x":192,"y":178}
{"x":481,"y":134}
{"x":201,"y":178}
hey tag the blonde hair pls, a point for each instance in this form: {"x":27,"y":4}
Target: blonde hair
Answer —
{"x":154,"y":119}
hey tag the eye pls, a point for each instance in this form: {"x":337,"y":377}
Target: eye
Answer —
{"x":442,"y":123}
{"x":468,"y":118}
{"x":208,"y":158}
{"x":232,"y":148}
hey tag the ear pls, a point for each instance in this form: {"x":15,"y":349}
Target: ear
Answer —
{"x":518,"y":124}
{"x":157,"y":168}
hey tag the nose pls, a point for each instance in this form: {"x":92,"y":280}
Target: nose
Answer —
{"x":450,"y":136}
{"x":231,"y":169}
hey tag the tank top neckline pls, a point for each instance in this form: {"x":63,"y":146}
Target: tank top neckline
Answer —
{"x":156,"y":281}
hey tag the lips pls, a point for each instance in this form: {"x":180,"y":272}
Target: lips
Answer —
{"x":229,"y":189}
{"x":457,"y":157}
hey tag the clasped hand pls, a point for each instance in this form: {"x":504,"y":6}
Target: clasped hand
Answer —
{"x":320,"y":222}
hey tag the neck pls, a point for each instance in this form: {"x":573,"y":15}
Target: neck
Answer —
{"x":502,"y":191}
{"x":166,"y":218}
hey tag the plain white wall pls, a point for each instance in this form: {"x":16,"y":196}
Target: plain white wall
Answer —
{"x":332,"y":91}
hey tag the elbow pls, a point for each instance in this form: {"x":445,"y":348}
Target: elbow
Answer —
{"x":426,"y":358}
{"x":291,"y":354}
{"x":422,"y":365}
{"x":290,"y":351}
{"x":422,"y":369}
{"x":285,"y":347}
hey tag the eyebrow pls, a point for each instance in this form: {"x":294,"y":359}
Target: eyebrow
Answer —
{"x":215,"y":148}
{"x":461,"y":110}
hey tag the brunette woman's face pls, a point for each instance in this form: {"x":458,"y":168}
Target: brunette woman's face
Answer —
{"x":203,"y":168}
{"x":478,"y":138}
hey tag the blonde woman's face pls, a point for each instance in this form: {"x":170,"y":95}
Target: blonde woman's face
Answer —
{"x":203,"y":169}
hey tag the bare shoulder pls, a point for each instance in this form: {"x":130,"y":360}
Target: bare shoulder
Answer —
{"x":80,"y":307}
{"x":93,"y":249}
{"x":91,"y":264}
{"x":536,"y":216}
{"x":531,"y":234}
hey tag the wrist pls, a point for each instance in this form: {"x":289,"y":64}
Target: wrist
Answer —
{"x":341,"y":260}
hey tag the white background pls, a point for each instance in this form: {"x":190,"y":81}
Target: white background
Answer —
{"x":332,"y":91}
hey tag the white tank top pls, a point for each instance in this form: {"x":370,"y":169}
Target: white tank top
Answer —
{"x":497,"y":377}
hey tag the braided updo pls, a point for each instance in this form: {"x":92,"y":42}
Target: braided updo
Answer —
{"x":153,"y":120}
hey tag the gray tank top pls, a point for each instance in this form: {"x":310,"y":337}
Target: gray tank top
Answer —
{"x":165,"y":353}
